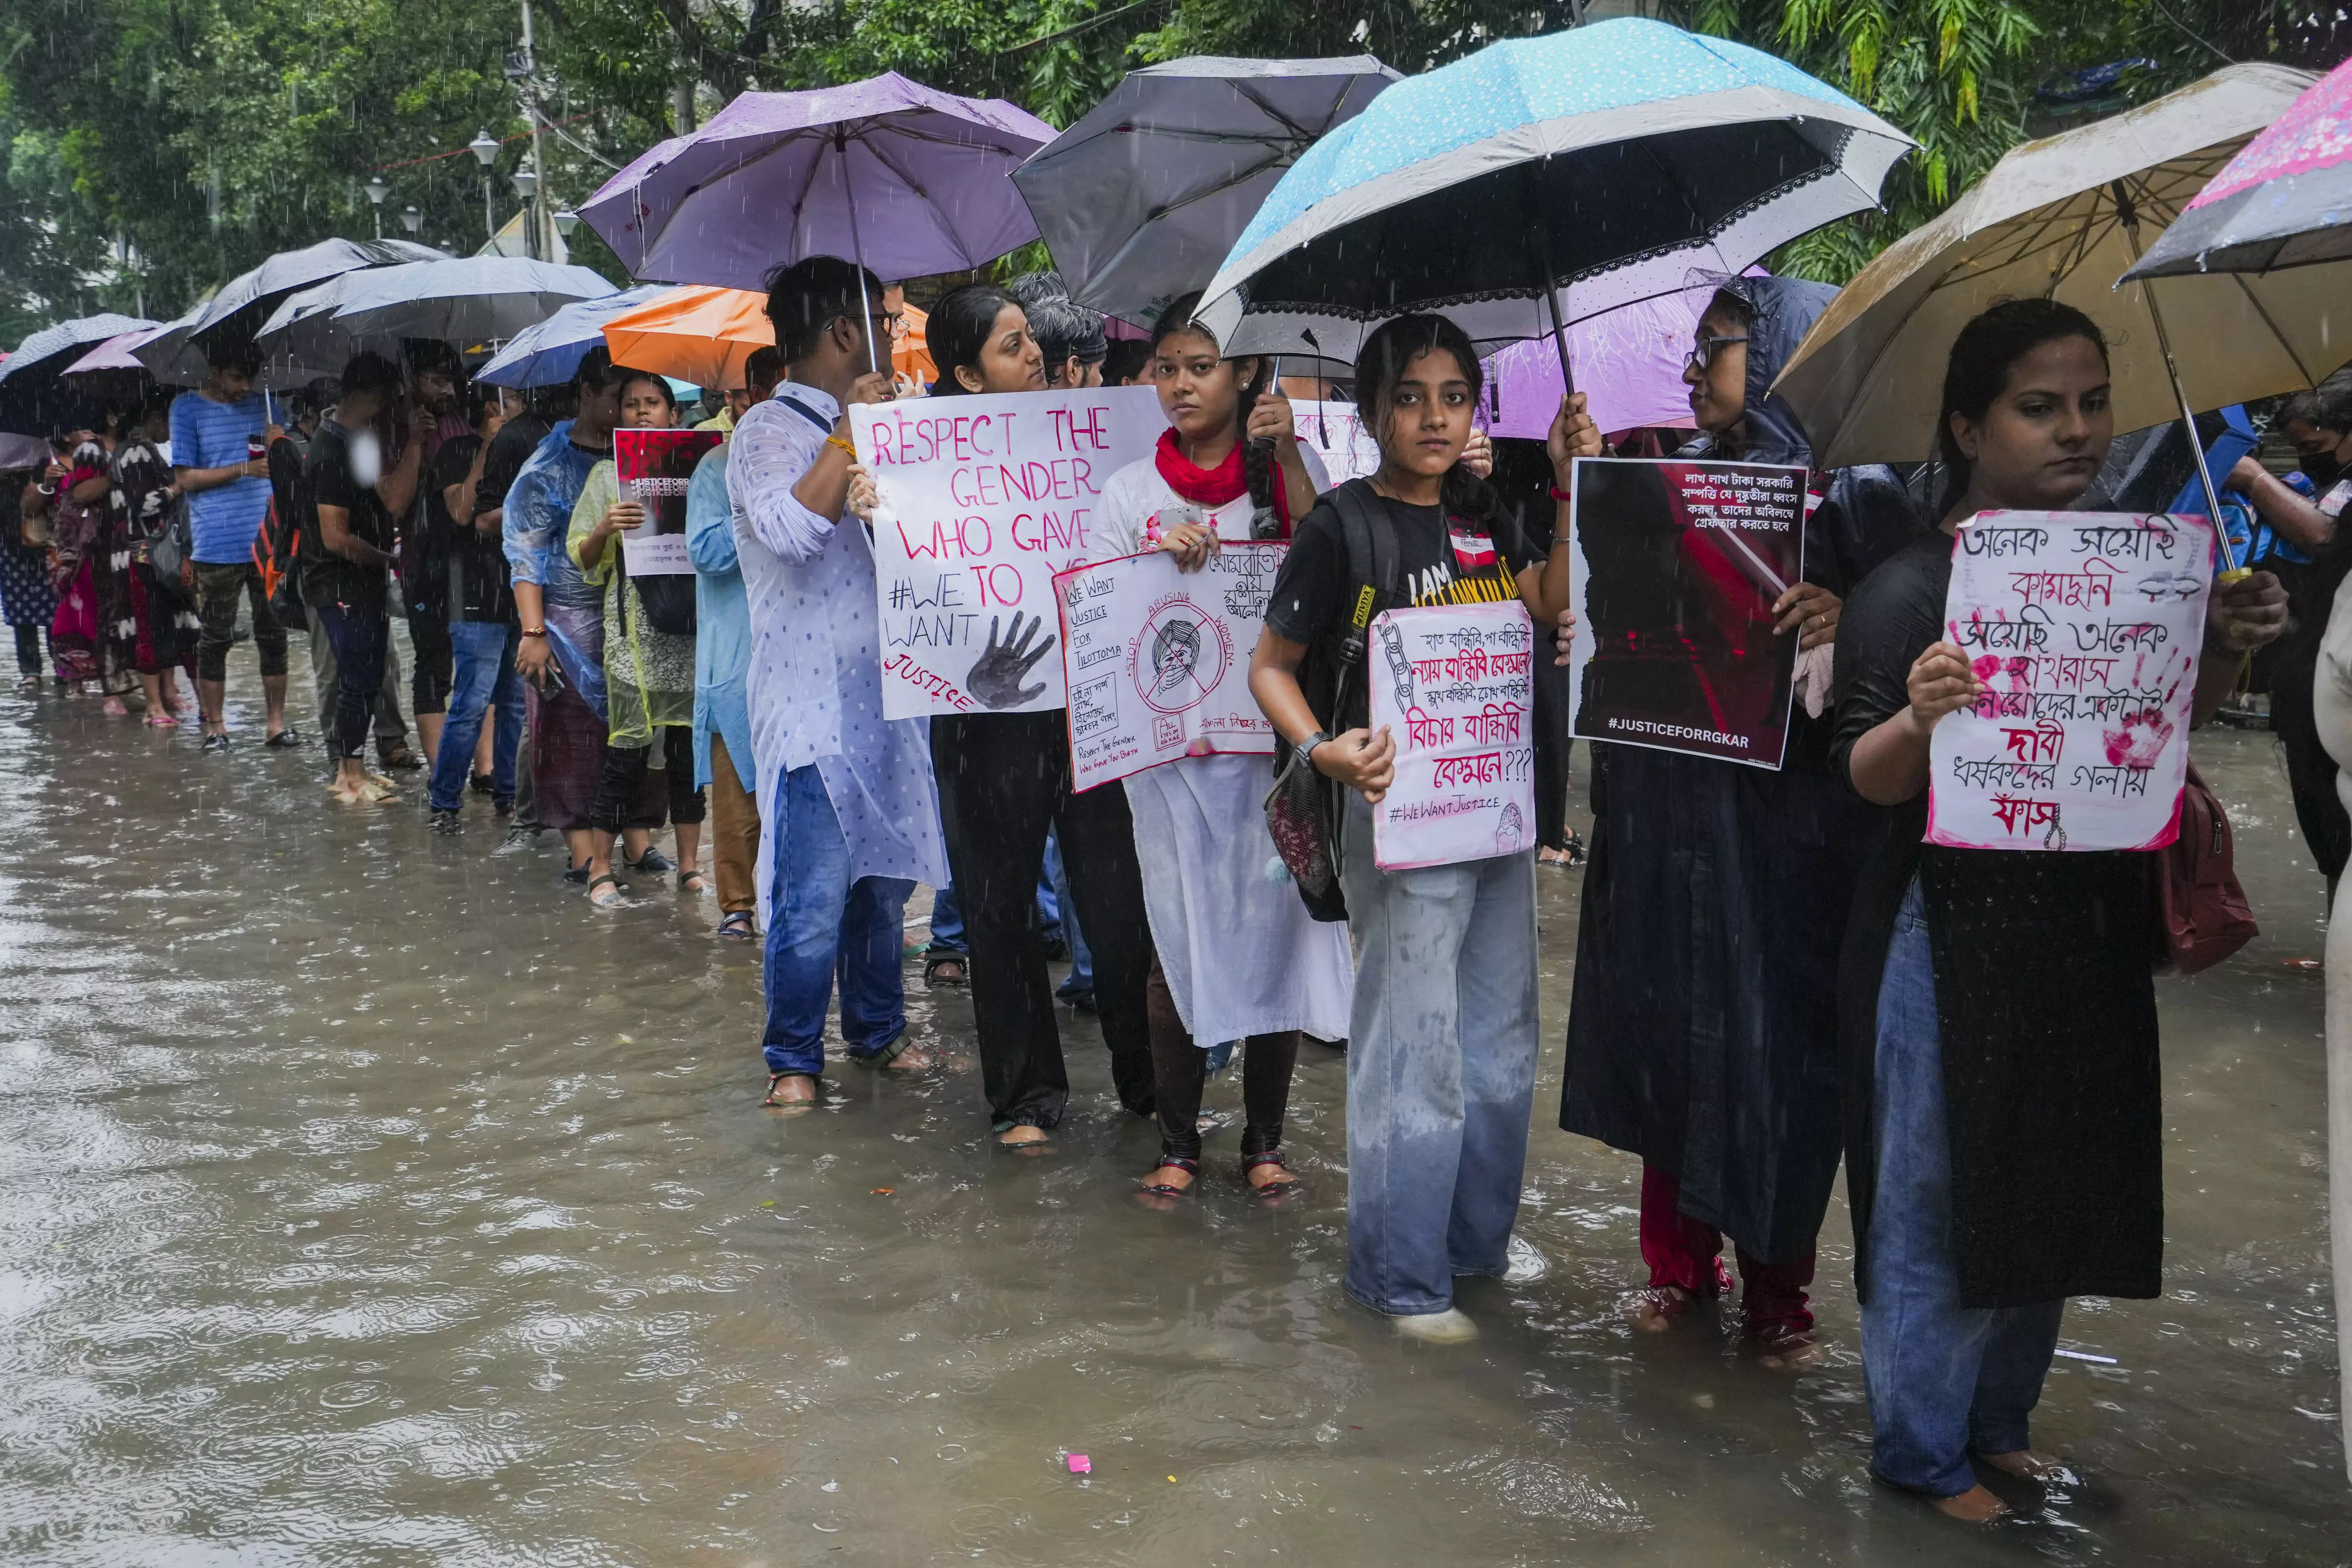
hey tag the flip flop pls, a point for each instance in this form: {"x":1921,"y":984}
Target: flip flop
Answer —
{"x":285,"y":740}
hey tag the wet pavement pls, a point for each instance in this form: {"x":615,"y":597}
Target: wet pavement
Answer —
{"x":365,"y":1199}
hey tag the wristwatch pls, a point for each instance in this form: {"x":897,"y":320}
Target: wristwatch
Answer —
{"x":1306,"y":744}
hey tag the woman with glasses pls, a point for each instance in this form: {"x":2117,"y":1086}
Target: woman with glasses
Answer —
{"x":1702,"y":1031}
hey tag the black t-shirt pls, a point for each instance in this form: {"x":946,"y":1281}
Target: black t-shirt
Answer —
{"x":511,"y":448}
{"x":1441,"y":559}
{"x":474,"y":572}
{"x":327,"y":474}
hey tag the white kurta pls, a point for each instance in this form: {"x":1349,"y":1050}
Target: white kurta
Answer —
{"x":2332,"y":708}
{"x":1241,"y":954}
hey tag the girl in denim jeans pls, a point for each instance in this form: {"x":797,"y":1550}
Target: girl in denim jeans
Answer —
{"x":2003,"y":1147}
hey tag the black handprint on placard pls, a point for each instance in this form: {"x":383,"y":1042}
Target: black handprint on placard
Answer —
{"x":995,"y":677}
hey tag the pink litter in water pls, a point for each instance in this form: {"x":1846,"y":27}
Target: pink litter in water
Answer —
{"x":1081,"y":1466}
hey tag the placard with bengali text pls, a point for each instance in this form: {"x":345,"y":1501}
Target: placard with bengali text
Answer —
{"x":1456,"y":686}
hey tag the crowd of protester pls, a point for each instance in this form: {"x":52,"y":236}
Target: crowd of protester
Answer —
{"x":1757,"y":994}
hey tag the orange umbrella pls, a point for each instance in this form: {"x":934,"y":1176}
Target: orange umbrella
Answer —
{"x":910,"y":352}
{"x":698,"y":334}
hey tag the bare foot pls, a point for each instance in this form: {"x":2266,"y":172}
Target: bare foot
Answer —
{"x":2031,"y":1464}
{"x":1659,"y":1307}
{"x":1018,"y":1136}
{"x":1974,"y":1506}
{"x":913,"y":1059}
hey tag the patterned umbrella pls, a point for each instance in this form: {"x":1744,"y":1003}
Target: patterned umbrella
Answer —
{"x":2285,"y":200}
{"x":1541,"y":180}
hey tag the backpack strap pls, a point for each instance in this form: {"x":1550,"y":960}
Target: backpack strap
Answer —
{"x":1370,"y":538}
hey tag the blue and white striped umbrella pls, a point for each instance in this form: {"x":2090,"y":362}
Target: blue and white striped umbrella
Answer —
{"x":549,"y":353}
{"x":1607,"y":163}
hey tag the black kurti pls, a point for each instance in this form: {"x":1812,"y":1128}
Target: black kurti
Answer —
{"x":2042,"y":996}
{"x":1702,"y":1031}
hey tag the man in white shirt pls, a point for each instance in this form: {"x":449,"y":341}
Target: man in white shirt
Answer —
{"x":849,"y":815}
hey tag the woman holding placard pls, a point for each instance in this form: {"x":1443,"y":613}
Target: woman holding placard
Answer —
{"x":1701,"y":1028}
{"x":648,"y":673}
{"x":1442,"y":1034}
{"x":2004,"y":1149}
{"x":1237,"y":956}
{"x":1003,"y":779}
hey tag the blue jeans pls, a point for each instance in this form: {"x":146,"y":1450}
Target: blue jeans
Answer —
{"x":1441,"y":1069}
{"x":1943,"y":1379}
{"x":820,"y":923}
{"x":485,"y":678}
{"x":1057,"y":882}
{"x":946,"y":923}
{"x":361,"y":634}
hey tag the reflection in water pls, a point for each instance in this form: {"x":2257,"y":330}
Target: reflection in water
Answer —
{"x":363,"y":1198}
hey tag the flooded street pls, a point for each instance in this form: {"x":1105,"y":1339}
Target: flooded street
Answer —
{"x":364,"y":1198}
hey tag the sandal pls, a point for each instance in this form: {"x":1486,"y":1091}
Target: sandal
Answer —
{"x":1278,"y":1186}
{"x":1171,"y":1162}
{"x":606,"y":880}
{"x":689,"y":880}
{"x":651,"y":861}
{"x":285,"y":740}
{"x":936,"y":965}
{"x":738,"y":926}
{"x":776,"y":1078}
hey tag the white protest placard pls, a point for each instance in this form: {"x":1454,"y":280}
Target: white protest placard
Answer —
{"x":1336,"y":434}
{"x":981,"y":501}
{"x":2086,"y":626}
{"x":1456,"y":686}
{"x":1156,"y":658}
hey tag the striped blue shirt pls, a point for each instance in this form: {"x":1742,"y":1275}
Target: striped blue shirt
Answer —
{"x":208,"y":434}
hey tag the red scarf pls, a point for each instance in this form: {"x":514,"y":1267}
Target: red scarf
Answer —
{"x":1214,"y":487}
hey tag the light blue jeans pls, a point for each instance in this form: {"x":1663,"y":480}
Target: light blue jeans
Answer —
{"x":822,"y":925}
{"x":486,"y":678}
{"x":1441,"y":1069}
{"x":1943,"y":1379}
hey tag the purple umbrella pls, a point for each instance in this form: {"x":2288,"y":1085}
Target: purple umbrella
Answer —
{"x":885,"y":171}
{"x":1629,"y":365}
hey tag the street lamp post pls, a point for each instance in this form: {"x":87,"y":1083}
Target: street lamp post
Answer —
{"x":526,"y":184}
{"x":485,"y":148}
{"x":376,"y":191}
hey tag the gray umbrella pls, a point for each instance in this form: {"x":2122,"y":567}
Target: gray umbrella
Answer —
{"x":1141,"y":199}
{"x":472,"y":300}
{"x":289,"y":270}
{"x":77,"y":336}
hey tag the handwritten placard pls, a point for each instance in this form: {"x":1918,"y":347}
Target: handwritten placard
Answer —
{"x":1677,"y":565}
{"x":1156,"y":658}
{"x":654,"y":467}
{"x":981,"y":501}
{"x":1456,"y":686}
{"x":2087,"y":628}
{"x":1336,"y":432}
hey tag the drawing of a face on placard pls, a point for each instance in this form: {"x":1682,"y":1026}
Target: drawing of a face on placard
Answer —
{"x":1511,"y":832}
{"x":1178,"y":655}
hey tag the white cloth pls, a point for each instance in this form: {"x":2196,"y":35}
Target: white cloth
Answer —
{"x":2332,"y":709}
{"x":815,"y":679}
{"x":1241,"y":954}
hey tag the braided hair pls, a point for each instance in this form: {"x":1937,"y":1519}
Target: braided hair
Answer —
{"x":1380,"y":365}
{"x":1258,"y":457}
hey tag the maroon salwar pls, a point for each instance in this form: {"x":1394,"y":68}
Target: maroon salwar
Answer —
{"x":1682,"y":1251}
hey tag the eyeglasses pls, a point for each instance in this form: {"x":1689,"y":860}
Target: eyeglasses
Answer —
{"x":1702,"y":352}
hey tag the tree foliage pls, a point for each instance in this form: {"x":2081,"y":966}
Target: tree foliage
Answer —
{"x":153,"y":147}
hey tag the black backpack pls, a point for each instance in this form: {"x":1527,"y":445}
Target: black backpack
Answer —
{"x":668,"y":597}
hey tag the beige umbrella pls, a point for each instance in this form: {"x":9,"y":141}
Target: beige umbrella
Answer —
{"x":2064,"y":217}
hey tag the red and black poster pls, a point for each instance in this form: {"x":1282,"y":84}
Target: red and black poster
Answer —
{"x":654,"y":467}
{"x":1677,"y":566}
